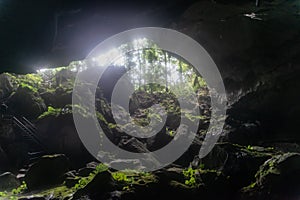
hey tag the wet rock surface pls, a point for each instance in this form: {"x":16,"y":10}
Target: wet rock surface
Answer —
{"x":277,"y":177}
{"x":256,"y":50}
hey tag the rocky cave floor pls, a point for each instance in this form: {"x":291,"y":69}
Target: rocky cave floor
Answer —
{"x":236,"y":168}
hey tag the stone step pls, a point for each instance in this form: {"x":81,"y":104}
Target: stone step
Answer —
{"x":23,"y":171}
{"x":21,"y":177}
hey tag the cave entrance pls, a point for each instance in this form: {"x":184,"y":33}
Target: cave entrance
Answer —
{"x":157,"y":77}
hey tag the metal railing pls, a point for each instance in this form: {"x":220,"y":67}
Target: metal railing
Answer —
{"x":29,"y":132}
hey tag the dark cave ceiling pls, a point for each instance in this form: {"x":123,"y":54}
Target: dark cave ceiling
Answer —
{"x":52,"y":33}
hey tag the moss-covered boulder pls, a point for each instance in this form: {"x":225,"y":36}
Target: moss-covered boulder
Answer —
{"x":277,"y":178}
{"x":6,"y":85}
{"x":59,"y":96}
{"x":57,"y":130}
{"x":239,"y":163}
{"x":27,"y":102}
{"x":101,"y":184}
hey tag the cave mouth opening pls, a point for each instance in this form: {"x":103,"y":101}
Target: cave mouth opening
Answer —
{"x":155,"y":77}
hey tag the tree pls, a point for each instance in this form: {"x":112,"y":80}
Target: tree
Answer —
{"x":147,"y":61}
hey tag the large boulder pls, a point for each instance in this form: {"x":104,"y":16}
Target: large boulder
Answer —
{"x":8,"y":181}
{"x":278,"y":178}
{"x":27,"y":102}
{"x":100,"y":185}
{"x":240,"y":163}
{"x":6,"y":85}
{"x":60,"y":135}
{"x":48,"y":170}
{"x":58,"y":98}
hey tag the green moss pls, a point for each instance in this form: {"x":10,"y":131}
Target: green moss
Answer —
{"x":69,"y":109}
{"x":3,"y":194}
{"x":31,"y":81}
{"x":58,"y":69}
{"x":194,"y":178}
{"x":28,"y":87}
{"x":59,"y":192}
{"x":190,"y":176}
{"x":170,"y":132}
{"x":22,"y":188}
{"x":82,"y":182}
{"x":101,"y":117}
{"x":249,"y":147}
{"x":202,"y":166}
{"x":194,"y":117}
{"x":267,"y":169}
{"x":121,"y":177}
{"x":50,"y":112}
{"x":130,"y":179}
{"x":250,"y":187}
{"x":14,"y":193}
{"x":112,"y":125}
{"x":100,"y":168}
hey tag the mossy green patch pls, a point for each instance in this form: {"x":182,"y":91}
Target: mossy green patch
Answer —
{"x":190,"y":176}
{"x":82,"y":182}
{"x":31,"y":81}
{"x":129,"y":180}
{"x":28,"y":87}
{"x":14,"y":193}
{"x":50,"y":112}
